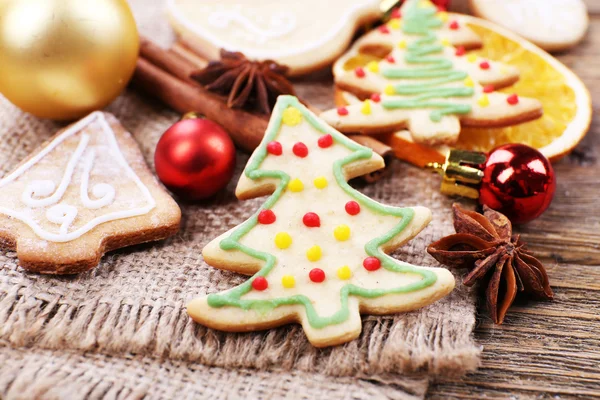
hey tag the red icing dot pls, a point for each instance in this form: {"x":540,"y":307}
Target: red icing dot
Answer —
{"x":342,"y":111}
{"x":512,"y":99}
{"x":359,"y":72}
{"x":484,"y":65}
{"x":376,"y":97}
{"x":371,"y":264}
{"x":460,"y":51}
{"x":488,"y":88}
{"x":352,"y":207}
{"x":325,"y":141}
{"x":441,"y":8}
{"x":454,"y":25}
{"x":311,"y":220}
{"x":266,"y":217}
{"x":260,"y":283}
{"x":300,"y":150}
{"x":316,"y":275}
{"x":274,"y":148}
{"x":396,"y":13}
{"x":384,"y":29}
{"x":390,"y":59}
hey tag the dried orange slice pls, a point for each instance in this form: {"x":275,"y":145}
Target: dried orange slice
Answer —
{"x":566,"y":102}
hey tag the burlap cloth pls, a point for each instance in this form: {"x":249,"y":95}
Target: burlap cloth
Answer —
{"x":121,"y":330}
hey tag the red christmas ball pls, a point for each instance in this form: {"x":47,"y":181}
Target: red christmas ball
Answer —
{"x":518,"y":181}
{"x":195,"y":158}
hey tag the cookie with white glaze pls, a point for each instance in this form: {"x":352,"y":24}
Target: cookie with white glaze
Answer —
{"x":317,"y":249}
{"x":427,"y":82}
{"x":288,"y":32}
{"x":84,"y":192}
{"x":551,"y":24}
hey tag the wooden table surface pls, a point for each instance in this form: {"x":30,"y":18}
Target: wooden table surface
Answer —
{"x":552,"y":350}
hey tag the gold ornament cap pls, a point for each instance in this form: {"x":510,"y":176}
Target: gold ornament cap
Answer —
{"x":461,"y":173}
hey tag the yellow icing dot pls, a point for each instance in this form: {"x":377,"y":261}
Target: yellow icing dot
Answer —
{"x":469,"y":82}
{"x":471,"y":58}
{"x":344,"y":273}
{"x":288,"y":281}
{"x":341,"y":232}
{"x":443,"y":16}
{"x":314,"y":253}
{"x":291,"y":116}
{"x":320,"y":182}
{"x":366,"y":108}
{"x":389,"y":90}
{"x":373,"y":66}
{"x":296,"y":185}
{"x":283,"y":240}
{"x":483,"y":101}
{"x":445,"y":42}
{"x":402,"y":44}
{"x":394,"y":24}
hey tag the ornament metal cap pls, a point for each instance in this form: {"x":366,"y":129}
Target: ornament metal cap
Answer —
{"x":461,"y":172}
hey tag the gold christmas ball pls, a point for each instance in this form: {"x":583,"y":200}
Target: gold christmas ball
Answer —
{"x":62,"y":59}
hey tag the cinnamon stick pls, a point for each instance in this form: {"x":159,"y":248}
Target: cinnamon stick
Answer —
{"x":165,"y":75}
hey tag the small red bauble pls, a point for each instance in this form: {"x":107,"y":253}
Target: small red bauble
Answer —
{"x":300,"y":150}
{"x":266,"y":217}
{"x":359,"y":72}
{"x":488,"y":88}
{"x":396,"y":13}
{"x":484,"y":65}
{"x":195,"y":158}
{"x":460,"y":51}
{"x":260,"y":283}
{"x":390,"y":59}
{"x":311,"y":220}
{"x":454,"y":25}
{"x":316,"y":275}
{"x":375,"y":97}
{"x":518,"y":181}
{"x":352,"y":207}
{"x":384,"y":29}
{"x":512,"y":99}
{"x":342,"y":111}
{"x":372,"y":263}
{"x":274,"y":148}
{"x":325,"y":141}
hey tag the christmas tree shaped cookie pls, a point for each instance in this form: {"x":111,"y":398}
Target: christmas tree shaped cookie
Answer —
{"x":84,"y":192}
{"x":426,"y":83}
{"x":317,"y":249}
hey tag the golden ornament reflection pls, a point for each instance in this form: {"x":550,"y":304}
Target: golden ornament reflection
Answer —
{"x":62,"y":59}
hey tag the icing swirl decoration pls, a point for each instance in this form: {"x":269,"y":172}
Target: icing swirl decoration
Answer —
{"x":280,"y":24}
{"x":80,"y":199}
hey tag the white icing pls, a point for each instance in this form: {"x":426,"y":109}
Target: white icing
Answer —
{"x":41,"y":193}
{"x":104,"y":192}
{"x":345,"y":14}
{"x":280,"y":23}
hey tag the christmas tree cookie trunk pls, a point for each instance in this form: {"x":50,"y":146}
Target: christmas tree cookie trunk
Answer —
{"x":426,"y":82}
{"x":317,"y":249}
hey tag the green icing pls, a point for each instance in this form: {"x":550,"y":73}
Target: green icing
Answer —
{"x":233,"y":297}
{"x":437,"y":71}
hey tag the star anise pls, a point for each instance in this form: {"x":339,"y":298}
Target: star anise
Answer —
{"x":251,"y":85}
{"x":486,"y":246}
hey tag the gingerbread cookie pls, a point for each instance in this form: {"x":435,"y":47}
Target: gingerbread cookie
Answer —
{"x":287,"y":32}
{"x":551,"y":24}
{"x":317,"y":248}
{"x":84,"y":192}
{"x":426,"y":81}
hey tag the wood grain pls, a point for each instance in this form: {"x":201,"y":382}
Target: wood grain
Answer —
{"x":552,"y":349}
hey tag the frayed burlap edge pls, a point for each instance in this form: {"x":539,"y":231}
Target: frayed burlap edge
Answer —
{"x":386,"y":345}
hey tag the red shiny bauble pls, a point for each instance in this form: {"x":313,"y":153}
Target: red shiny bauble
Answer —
{"x":518,"y":181}
{"x":195,"y":158}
